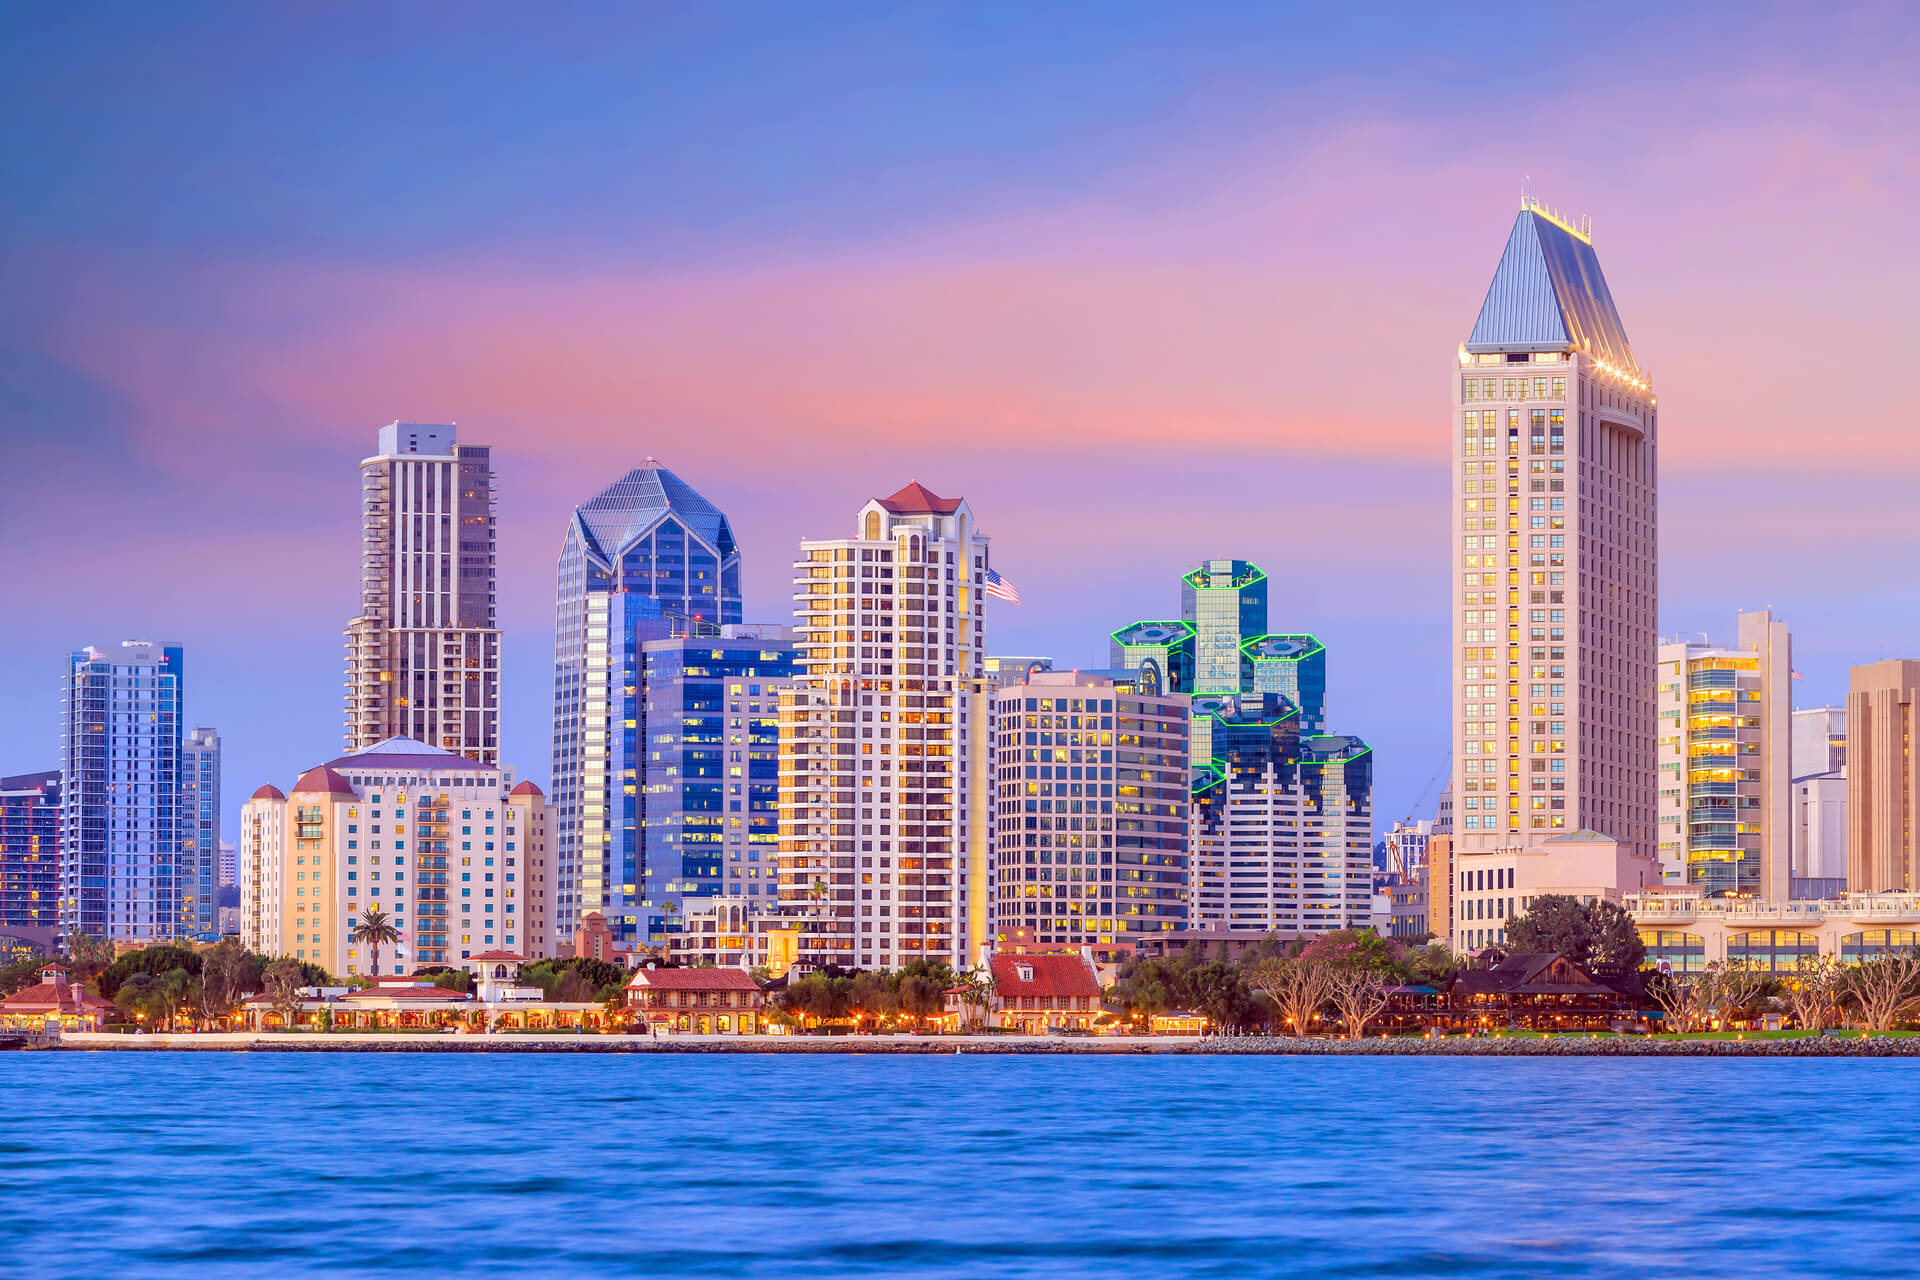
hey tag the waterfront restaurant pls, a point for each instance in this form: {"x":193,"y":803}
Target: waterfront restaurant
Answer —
{"x":1540,"y":992}
{"x":1037,"y":990}
{"x":701,"y":1001}
{"x":54,"y":1002}
{"x":412,"y":1004}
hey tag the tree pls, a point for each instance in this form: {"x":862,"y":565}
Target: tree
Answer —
{"x":872,"y":995}
{"x":375,"y":929}
{"x":1677,"y":999}
{"x":88,"y":956}
{"x":1360,"y":994}
{"x":154,"y":997}
{"x":1814,"y":992}
{"x":1727,"y":987}
{"x":1220,"y":991}
{"x":976,"y":996}
{"x":1434,"y":964}
{"x":283,"y":980}
{"x":1884,"y":988}
{"x":920,"y":996}
{"x":1600,"y":933}
{"x":1298,"y":986}
{"x":150,"y":960}
{"x":228,"y":974}
{"x":1356,"y":949}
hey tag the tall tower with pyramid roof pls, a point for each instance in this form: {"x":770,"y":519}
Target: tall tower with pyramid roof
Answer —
{"x":1554,"y":514}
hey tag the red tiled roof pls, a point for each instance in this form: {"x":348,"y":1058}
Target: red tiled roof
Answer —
{"x":692,"y":980}
{"x":268,"y":792}
{"x":499,"y":955}
{"x":917,"y":499}
{"x":54,"y":997}
{"x":403,"y":991}
{"x":1055,"y":975}
{"x":526,"y":789}
{"x":322,"y":780}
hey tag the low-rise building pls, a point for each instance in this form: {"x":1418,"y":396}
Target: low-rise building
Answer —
{"x":1684,"y":930}
{"x":54,"y":1002}
{"x":1500,"y":882}
{"x":1034,"y":991}
{"x":1543,"y":992}
{"x":700,"y":1001}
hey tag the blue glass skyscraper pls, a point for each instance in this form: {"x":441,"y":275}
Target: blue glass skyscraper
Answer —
{"x":647,"y":559}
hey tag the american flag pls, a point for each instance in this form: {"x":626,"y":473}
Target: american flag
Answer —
{"x":1000,"y":589}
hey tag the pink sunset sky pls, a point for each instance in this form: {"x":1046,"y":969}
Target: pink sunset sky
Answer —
{"x":1142,"y":292}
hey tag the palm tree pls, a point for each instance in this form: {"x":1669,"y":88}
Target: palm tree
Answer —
{"x":375,"y":930}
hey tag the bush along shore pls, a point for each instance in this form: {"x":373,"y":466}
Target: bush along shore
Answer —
{"x":1850,"y":1045}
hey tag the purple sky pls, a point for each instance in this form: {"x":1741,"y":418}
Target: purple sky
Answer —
{"x":1144,"y":288}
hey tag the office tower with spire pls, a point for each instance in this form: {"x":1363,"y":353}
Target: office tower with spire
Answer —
{"x":884,"y":791}
{"x":647,"y":559}
{"x":423,"y":657}
{"x":1555,"y":466}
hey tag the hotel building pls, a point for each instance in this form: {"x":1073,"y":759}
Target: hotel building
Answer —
{"x":455,"y":855}
{"x":1724,"y":744}
{"x":423,"y":657}
{"x":648,"y":558}
{"x":1091,"y":822}
{"x":121,"y":874}
{"x":883,"y":789}
{"x":1555,"y":486}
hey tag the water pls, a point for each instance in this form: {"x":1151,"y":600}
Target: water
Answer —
{"x":211,"y":1165}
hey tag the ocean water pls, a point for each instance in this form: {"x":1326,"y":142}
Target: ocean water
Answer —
{"x":210,"y":1165}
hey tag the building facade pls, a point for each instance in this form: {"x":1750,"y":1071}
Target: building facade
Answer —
{"x":711,"y":720}
{"x":423,"y":656}
{"x":1883,"y":778}
{"x":1091,"y":823}
{"x":122,"y":876}
{"x":1555,"y":432}
{"x":200,"y":841}
{"x":1283,"y":822}
{"x":883,"y":796}
{"x":446,"y":847}
{"x":1819,"y":741}
{"x":646,"y":559}
{"x":30,"y":852}
{"x":1724,"y":755}
{"x":1685,"y":930}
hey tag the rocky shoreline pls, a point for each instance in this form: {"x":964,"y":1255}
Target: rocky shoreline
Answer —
{"x":1601,"y":1046}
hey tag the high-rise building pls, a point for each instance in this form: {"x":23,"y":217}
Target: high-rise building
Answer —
{"x":1282,"y":811}
{"x":1883,"y":777}
{"x":423,"y":657}
{"x":200,"y":832}
{"x":1091,"y":822}
{"x":1819,"y":802}
{"x":1000,"y":670}
{"x":122,"y":876}
{"x":30,"y":851}
{"x":646,"y":559}
{"x":1554,"y":479}
{"x":1819,"y":741}
{"x":229,"y":865}
{"x":710,"y":726}
{"x":1283,"y":822}
{"x":883,"y":792}
{"x":1725,"y":803}
{"x":449,"y":849}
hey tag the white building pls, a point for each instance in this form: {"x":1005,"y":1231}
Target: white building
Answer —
{"x":1554,"y":433}
{"x":884,"y":807}
{"x":452,"y":852}
{"x":1724,"y":744}
{"x":423,"y":656}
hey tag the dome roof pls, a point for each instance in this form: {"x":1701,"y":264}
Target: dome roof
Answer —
{"x":268,"y":792}
{"x":322,"y":780}
{"x":526,"y":789}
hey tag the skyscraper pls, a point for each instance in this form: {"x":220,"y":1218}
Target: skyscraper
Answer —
{"x":711,"y":768}
{"x":647,"y":559}
{"x":122,"y":876}
{"x":1555,"y":582}
{"x":883,"y":814}
{"x":423,"y":657}
{"x":30,"y":851}
{"x":1883,"y":777}
{"x":200,"y":832}
{"x":1724,"y":757}
{"x":1091,"y":822}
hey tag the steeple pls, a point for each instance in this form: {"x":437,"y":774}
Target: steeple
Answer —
{"x":1549,"y":292}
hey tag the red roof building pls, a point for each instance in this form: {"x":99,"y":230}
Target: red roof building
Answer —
{"x":1035,"y":991}
{"x":699,"y":1001}
{"x":53,"y":1000}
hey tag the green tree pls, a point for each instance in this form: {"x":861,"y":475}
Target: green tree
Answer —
{"x":150,"y":960}
{"x":920,"y":996}
{"x":1361,"y":949}
{"x":872,"y":995}
{"x":1600,"y":933}
{"x":88,"y":956}
{"x":375,"y":930}
{"x":283,"y":980}
{"x":228,"y":974}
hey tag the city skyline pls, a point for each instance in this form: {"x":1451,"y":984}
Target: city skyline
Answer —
{"x":1153,"y":273}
